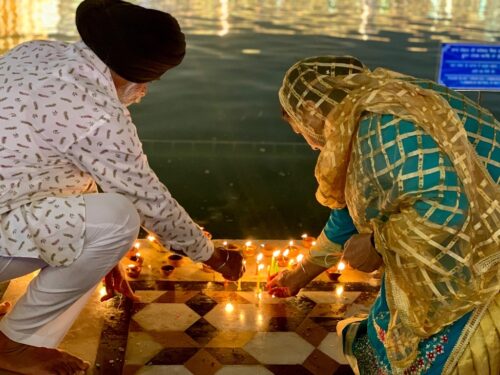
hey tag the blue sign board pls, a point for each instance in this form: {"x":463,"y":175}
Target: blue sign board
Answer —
{"x":470,"y":66}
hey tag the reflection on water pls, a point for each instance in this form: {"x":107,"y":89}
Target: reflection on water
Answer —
{"x":447,"y":20}
{"x":212,"y":128}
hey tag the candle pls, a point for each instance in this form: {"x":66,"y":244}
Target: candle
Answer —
{"x":249,"y":249}
{"x":239,"y":280}
{"x":260,"y":256}
{"x":133,"y":270}
{"x":341,"y":266}
{"x":274,"y":265}
{"x":137,"y":258}
{"x":259,"y":268}
{"x":307,"y":241}
{"x":300,"y":258}
{"x":283,"y":258}
{"x":291,"y":264}
{"x":294,"y":250}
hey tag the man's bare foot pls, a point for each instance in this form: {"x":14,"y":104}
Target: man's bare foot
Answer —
{"x":25,"y":359}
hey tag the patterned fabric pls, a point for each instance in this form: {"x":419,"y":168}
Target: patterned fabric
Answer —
{"x":433,"y":352}
{"x":63,"y":130}
{"x":434,"y":209}
{"x":328,"y":248}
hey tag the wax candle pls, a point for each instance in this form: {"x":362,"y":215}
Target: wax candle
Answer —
{"x":260,"y":267}
{"x":260,"y":256}
{"x":239,"y":280}
{"x":274,"y":264}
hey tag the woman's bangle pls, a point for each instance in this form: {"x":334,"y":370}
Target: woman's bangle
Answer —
{"x":223,"y":264}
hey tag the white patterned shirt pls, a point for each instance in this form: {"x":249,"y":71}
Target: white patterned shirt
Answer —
{"x":63,"y":129}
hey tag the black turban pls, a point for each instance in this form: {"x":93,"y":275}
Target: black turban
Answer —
{"x":137,"y":43}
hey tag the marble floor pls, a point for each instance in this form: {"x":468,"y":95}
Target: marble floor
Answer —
{"x":194,"y":322}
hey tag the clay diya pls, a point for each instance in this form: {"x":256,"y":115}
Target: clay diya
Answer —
{"x":167,"y":270}
{"x":175,"y":260}
{"x":133,"y":270}
{"x":308,"y":241}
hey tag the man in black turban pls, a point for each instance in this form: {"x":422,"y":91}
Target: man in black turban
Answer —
{"x":67,"y":120}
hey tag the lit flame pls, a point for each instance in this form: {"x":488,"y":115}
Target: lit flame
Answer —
{"x":151,"y":238}
{"x":339,"y":290}
{"x":261,"y":267}
{"x":224,"y":243}
{"x":229,"y":308}
{"x":286,"y":252}
{"x":137,"y":245}
{"x":102,"y":291}
{"x":304,"y":236}
{"x":276,"y":253}
{"x":290,"y":243}
{"x":131,"y":266}
{"x":262,"y":245}
{"x":260,"y":256}
{"x":313,"y":243}
{"x":137,"y":254}
{"x":300,"y":257}
{"x":248,"y":243}
{"x":341,"y":266}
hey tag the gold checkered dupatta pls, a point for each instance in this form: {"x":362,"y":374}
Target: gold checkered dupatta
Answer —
{"x":434,"y":273}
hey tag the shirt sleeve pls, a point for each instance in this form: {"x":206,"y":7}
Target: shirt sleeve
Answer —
{"x":328,"y":249}
{"x":112,"y":154}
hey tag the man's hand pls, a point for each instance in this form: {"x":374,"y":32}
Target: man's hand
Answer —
{"x":115,"y":281}
{"x":227,"y":262}
{"x":360,"y":253}
{"x":4,"y":307}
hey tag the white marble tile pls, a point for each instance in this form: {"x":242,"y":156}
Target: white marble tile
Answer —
{"x":356,"y":310}
{"x":141,"y":347}
{"x":332,"y":347}
{"x":164,"y":370}
{"x":245,"y":317}
{"x":280,"y":348}
{"x":243,"y":370}
{"x":166,"y":317}
{"x":322,"y":297}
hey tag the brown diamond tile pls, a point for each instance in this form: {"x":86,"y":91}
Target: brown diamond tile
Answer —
{"x":319,"y":363}
{"x":201,"y":304}
{"x":329,"y":310}
{"x":225,"y":297}
{"x":202,"y":331}
{"x":172,"y":356}
{"x":174,"y":339}
{"x":311,"y":332}
{"x":176,"y":296}
{"x":203,"y":363}
{"x":232,"y":356}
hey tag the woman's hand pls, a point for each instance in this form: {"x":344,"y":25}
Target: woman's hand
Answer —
{"x":360,"y":253}
{"x":288,"y":283}
{"x":229,"y":263}
{"x":115,"y":281}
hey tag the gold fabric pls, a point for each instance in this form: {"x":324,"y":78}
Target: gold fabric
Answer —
{"x":434,"y":273}
{"x":478,"y":354}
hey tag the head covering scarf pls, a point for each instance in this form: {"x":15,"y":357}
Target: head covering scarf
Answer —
{"x":137,"y":43}
{"x":326,"y":102}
